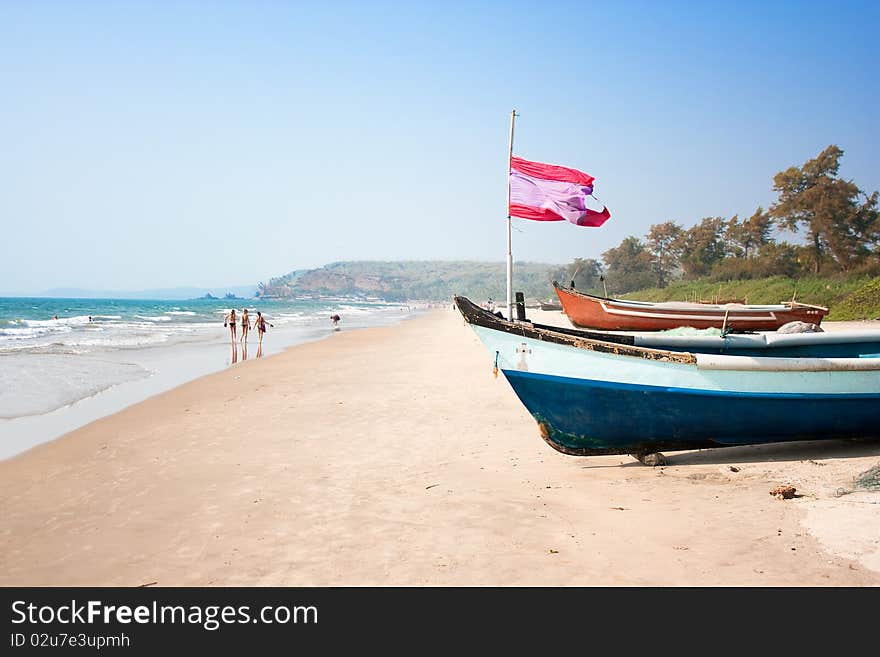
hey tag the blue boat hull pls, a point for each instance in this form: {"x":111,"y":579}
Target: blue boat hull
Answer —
{"x":583,"y":416}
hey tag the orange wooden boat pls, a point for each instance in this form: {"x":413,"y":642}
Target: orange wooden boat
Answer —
{"x":588,"y":311}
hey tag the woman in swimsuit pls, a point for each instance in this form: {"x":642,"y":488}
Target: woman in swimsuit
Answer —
{"x":260,"y":325}
{"x":245,"y":324}
{"x":229,"y":321}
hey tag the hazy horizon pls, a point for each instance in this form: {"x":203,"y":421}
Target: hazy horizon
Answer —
{"x":160,"y":145}
{"x":216,"y":290}
{"x":181,"y":292}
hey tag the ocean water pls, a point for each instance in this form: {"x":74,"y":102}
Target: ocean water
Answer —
{"x":100,"y":355}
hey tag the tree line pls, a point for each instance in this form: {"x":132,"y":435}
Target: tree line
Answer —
{"x":839,"y":221}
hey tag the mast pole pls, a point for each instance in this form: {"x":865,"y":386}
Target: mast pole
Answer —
{"x":509,"y":252}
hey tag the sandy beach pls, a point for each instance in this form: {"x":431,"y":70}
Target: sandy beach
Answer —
{"x":392,"y":456}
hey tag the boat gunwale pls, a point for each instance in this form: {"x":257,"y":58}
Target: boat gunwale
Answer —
{"x":688,"y":306}
{"x":473,"y":314}
{"x":624,"y":345}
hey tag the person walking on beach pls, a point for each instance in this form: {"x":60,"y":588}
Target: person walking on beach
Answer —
{"x":260,"y":325}
{"x":229,"y":321}
{"x":245,"y":325}
{"x":335,"y":319}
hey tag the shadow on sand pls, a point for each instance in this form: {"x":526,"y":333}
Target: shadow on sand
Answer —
{"x":791,"y":451}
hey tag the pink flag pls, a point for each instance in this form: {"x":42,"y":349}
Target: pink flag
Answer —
{"x":548,"y":192}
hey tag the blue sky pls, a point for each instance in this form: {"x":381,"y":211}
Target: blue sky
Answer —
{"x":161,"y":144}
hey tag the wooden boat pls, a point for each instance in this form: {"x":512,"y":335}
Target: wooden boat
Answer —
{"x":592,"y":396}
{"x":623,"y":315}
{"x":551,"y":305}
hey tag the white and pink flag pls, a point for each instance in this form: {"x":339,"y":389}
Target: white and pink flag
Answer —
{"x":548,"y":192}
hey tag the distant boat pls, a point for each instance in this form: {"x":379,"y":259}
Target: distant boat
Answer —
{"x":551,"y":305}
{"x":592,"y":396}
{"x":589,"y":311}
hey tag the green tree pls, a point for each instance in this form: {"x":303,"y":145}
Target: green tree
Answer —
{"x":665,"y":246}
{"x":839,"y":218}
{"x":629,"y":266}
{"x":771,"y":259}
{"x":703,"y":247}
{"x":745,"y":238}
{"x":585,"y":273}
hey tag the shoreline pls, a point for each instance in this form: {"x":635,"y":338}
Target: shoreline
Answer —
{"x":166,"y":367}
{"x":392,"y":456}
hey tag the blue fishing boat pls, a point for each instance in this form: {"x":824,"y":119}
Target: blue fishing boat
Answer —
{"x":595,"y":393}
